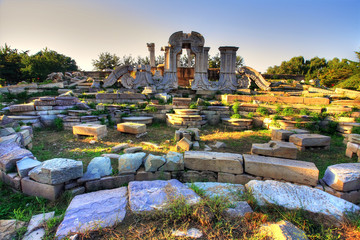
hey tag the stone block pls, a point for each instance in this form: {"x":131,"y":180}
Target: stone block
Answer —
{"x":130,"y":162}
{"x":153,"y":163}
{"x":310,"y":140}
{"x":32,"y":188}
{"x":96,"y":130}
{"x":22,"y":107}
{"x":343,"y":177}
{"x":196,"y":145}
{"x":282,"y":169}
{"x":25,"y":165}
{"x":37,"y":221}
{"x":133,"y":149}
{"x":214,"y":161}
{"x":120,"y":147}
{"x":11,"y":179}
{"x":282,"y":230}
{"x":43,"y":108}
{"x":10,"y":153}
{"x":57,"y":170}
{"x":284,"y":135}
{"x":142,"y":175}
{"x":226,"y":191}
{"x":6,"y":131}
{"x":133,"y":128}
{"x":235,"y":178}
{"x":184,"y":144}
{"x":240,"y":210}
{"x":195,"y":176}
{"x":109,"y":182}
{"x":9,"y":228}
{"x":275,"y":149}
{"x":174,"y":162}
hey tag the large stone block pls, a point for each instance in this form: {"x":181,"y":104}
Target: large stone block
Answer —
{"x":11,"y":179}
{"x":25,"y":165}
{"x":184,"y":144}
{"x":109,"y":182}
{"x":195,"y":176}
{"x":130,"y":162}
{"x":174,"y":162}
{"x":145,"y":196}
{"x":275,"y":149}
{"x":234,"y":178}
{"x":282,"y":230}
{"x":57,"y":170}
{"x":6,"y":131}
{"x":22,"y":107}
{"x":32,"y":188}
{"x":283,"y":135}
{"x":133,"y":128}
{"x":142,"y":175}
{"x":228,"y":191}
{"x":9,"y":228}
{"x":343,"y":177}
{"x":96,"y":130}
{"x":310,"y":140}
{"x":214,"y":161}
{"x":92,"y":211}
{"x":97,"y":168}
{"x":293,"y":197}
{"x":153,"y":163}
{"x":279,"y":168}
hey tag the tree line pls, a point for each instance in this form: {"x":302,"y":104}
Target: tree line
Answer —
{"x":335,"y":72}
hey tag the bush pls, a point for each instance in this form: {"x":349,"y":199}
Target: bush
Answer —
{"x":193,"y":105}
{"x":235,"y":107}
{"x":263,"y":111}
{"x":236,"y":116}
{"x":150,"y":108}
{"x":59,"y":124}
{"x":288,"y":111}
{"x":304,"y":111}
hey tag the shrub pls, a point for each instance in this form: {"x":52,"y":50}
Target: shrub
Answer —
{"x":236,"y":116}
{"x":235,"y":107}
{"x":263,"y":111}
{"x":193,"y":105}
{"x":250,"y":115}
{"x":288,"y":111}
{"x":304,"y":111}
{"x":59,"y":124}
{"x":150,"y":108}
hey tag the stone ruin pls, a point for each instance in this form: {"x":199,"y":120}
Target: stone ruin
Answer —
{"x":194,"y":44}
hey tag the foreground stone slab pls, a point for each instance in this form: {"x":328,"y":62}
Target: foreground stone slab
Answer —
{"x":94,"y":210}
{"x":32,"y":188}
{"x":96,"y":130}
{"x":343,"y":177}
{"x":293,"y":196}
{"x":10,"y":153}
{"x":57,"y":170}
{"x":310,"y":140}
{"x":275,"y":149}
{"x":145,"y":196}
{"x":279,"y":168}
{"x":8,"y":228}
{"x":282,"y":230}
{"x":214,"y":161}
{"x":229,"y":191}
{"x":35,"y":223}
{"x":133,"y":128}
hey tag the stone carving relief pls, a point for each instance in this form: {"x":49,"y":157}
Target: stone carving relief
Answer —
{"x":249,"y":74}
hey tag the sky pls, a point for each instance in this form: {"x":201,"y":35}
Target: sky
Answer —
{"x":266,"y":32}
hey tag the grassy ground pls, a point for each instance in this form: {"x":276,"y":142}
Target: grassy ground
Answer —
{"x":49,"y":144}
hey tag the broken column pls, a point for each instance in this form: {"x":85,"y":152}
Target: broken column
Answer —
{"x":151,"y":48}
{"x":228,"y":80}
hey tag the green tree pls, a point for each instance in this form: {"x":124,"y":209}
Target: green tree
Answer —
{"x":214,"y":62}
{"x":239,"y":61}
{"x":10,"y":65}
{"x":106,"y":61}
{"x":39,"y":65}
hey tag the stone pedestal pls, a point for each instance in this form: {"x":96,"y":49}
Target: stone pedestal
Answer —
{"x":96,"y":130}
{"x":227,"y":79}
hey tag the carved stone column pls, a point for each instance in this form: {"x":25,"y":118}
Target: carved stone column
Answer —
{"x":151,"y":48}
{"x":188,"y":51}
{"x":228,"y":79}
{"x":170,"y":78}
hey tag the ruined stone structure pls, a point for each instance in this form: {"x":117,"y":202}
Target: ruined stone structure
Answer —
{"x":194,"y":44}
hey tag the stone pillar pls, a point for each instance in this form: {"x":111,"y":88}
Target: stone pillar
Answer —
{"x":228,"y":79}
{"x":169,"y":80}
{"x":201,"y":81}
{"x":151,"y":48}
{"x":178,"y":56}
{"x":189,"y":56}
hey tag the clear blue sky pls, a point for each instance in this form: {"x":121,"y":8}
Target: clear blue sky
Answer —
{"x":266,"y":32}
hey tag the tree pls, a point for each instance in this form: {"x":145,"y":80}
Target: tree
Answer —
{"x":239,"y":61}
{"x":10,"y":65}
{"x":214,"y":62}
{"x":106,"y":61}
{"x":159,"y":60}
{"x":39,"y":65}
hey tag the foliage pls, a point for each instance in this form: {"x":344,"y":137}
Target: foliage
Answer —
{"x":235,"y":107}
{"x":263,"y":111}
{"x":352,"y":83}
{"x":330,"y":73}
{"x":106,"y":61}
{"x":193,"y":105}
{"x":236,"y":116}
{"x":46,"y":61}
{"x":59,"y":124}
{"x":150,"y":108}
{"x":10,"y":65}
{"x":214,"y":62}
{"x":288,"y":111}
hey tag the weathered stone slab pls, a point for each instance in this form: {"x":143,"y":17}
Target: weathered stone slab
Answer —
{"x":25,"y":165}
{"x":94,"y":210}
{"x":153,"y":163}
{"x":133,"y":128}
{"x":11,"y":153}
{"x":22,"y":107}
{"x":6,"y":131}
{"x":275,"y":149}
{"x":227,"y":191}
{"x":32,"y":188}
{"x":111,"y":155}
{"x":109,"y":182}
{"x":174,"y":162}
{"x":192,"y":233}
{"x":145,"y":196}
{"x":282,"y":230}
{"x":130,"y":162}
{"x":240,"y":209}
{"x":293,"y":197}
{"x":279,"y":168}
{"x":57,"y":170}
{"x":195,"y":176}
{"x":8,"y":228}
{"x":214,"y":161}
{"x":96,"y":130}
{"x":36,"y":221}
{"x":119,"y":147}
{"x":284,"y":135}
{"x":97,"y":168}
{"x":343,"y":177}
{"x":310,"y":140}
{"x":184,"y":144}
{"x":142,"y":120}
{"x":133,"y":149}
{"x":11,"y":179}
{"x":235,"y":178}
